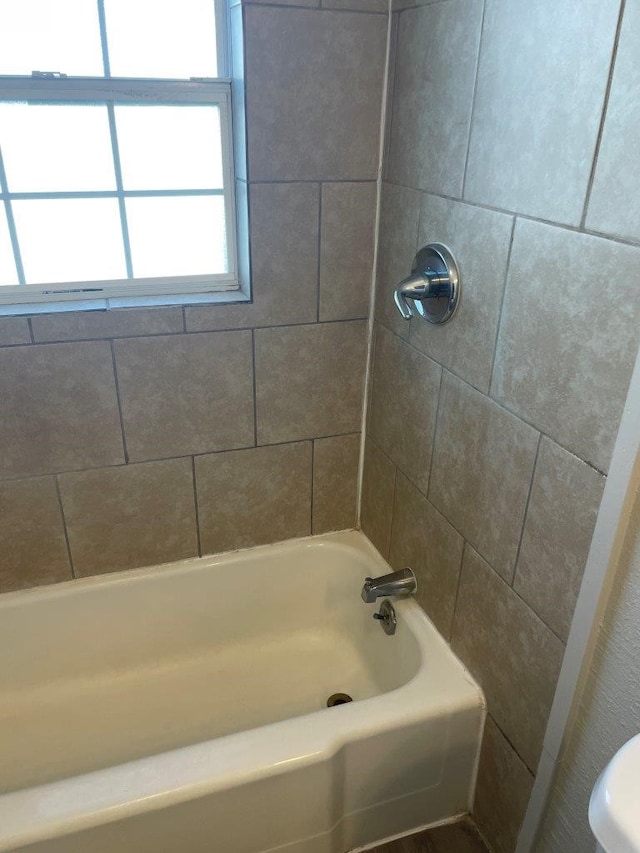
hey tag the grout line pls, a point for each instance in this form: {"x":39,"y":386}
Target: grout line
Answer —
{"x":142,"y":336}
{"x":374,"y":267}
{"x":149,"y":461}
{"x":318,"y":269}
{"x":119,"y":400}
{"x":195,"y":500}
{"x":465,"y":544}
{"x":435,"y":433}
{"x":315,"y":8}
{"x":255,"y":388}
{"x":184,"y":320}
{"x":508,"y":740}
{"x":322,"y":179}
{"x":573,"y":229}
{"x":473,"y":99}
{"x":30,"y":326}
{"x":393,"y":503}
{"x":603,"y":117}
{"x":313,"y":479}
{"x":64,"y":526}
{"x":393,"y":507}
{"x":502,"y":303}
{"x":526,"y":510}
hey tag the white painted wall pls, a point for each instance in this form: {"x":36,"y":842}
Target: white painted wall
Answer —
{"x":608,"y":713}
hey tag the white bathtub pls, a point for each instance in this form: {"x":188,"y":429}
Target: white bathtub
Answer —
{"x":182,"y":709}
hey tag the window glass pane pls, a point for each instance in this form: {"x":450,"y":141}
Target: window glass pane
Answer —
{"x":43,"y":35}
{"x":56,"y":148}
{"x":70,"y":239}
{"x":167,"y":148}
{"x":161,"y":38}
{"x":8,"y":273}
{"x":177,"y":236}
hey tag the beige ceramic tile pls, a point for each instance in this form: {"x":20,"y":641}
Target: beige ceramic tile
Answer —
{"x":459,"y":837}
{"x":346,"y":249}
{"x":130,"y":516}
{"x":482,"y":468}
{"x":309,"y":380}
{"x":253,"y":497}
{"x":284,"y":262}
{"x":511,"y":652}
{"x":397,"y":246}
{"x":186,"y":393}
{"x":376,"y":508}
{"x":480,"y":241}
{"x":561,"y":515}
{"x":335,"y":482}
{"x":614,"y":206}
{"x":59,"y":409}
{"x":391,"y":78}
{"x":14,"y":330}
{"x":503,"y":791}
{"x":314,"y":87}
{"x":32,"y":542}
{"x":561,"y":363}
{"x":434,"y":79}
{"x":404,"y":402}
{"x":529,"y":151}
{"x":423,"y":539}
{"x":107,"y":324}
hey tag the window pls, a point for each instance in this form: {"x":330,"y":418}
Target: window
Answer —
{"x":116,"y":154}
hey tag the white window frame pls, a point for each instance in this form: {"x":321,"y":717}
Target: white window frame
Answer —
{"x":51,"y":89}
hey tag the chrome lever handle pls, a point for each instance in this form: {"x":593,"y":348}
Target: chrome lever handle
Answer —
{"x":433,"y":286}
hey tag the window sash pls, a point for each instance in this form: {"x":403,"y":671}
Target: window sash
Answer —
{"x":113,"y":91}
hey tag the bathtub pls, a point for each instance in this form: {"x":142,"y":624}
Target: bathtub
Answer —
{"x":182,"y":709}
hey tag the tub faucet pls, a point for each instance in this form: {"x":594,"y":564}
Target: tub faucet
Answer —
{"x":402,"y":582}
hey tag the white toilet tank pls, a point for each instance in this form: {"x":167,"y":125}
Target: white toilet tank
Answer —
{"x":614,"y":809}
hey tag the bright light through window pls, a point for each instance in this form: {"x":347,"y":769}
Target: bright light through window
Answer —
{"x":103,"y":182}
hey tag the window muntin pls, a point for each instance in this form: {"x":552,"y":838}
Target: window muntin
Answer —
{"x":158,"y":152}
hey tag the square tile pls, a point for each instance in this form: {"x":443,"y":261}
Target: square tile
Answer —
{"x":335,"y":482}
{"x":482,"y":468}
{"x":314,"y":86}
{"x":130,"y":516}
{"x":376,"y":510}
{"x":561,"y":515}
{"x":14,"y":330}
{"x":614,"y":206}
{"x":511,"y":652}
{"x":480,"y":242}
{"x":424,"y":540}
{"x":559,"y":365}
{"x":79,"y":325}
{"x":346,"y":249}
{"x":284,"y":262}
{"x":404,"y":402}
{"x":538,"y":160}
{"x":59,"y":409}
{"x":32,"y":540}
{"x":503,"y":790}
{"x":186,"y":394}
{"x":434,"y":82}
{"x":253,"y":497}
{"x":309,"y":380}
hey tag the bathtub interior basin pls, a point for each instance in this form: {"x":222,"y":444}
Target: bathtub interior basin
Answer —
{"x":156,"y":710}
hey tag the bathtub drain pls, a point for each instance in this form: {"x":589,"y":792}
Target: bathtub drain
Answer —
{"x":338,"y":699}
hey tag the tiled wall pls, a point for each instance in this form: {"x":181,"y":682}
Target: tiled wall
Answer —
{"x":149,"y":435}
{"x":489,"y":438}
